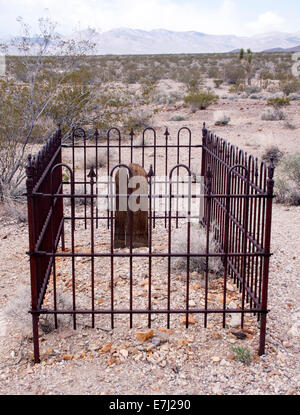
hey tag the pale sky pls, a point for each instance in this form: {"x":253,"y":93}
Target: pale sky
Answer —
{"x":238,"y":17}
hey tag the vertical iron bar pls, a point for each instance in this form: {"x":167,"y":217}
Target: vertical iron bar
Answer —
{"x":33,"y":264}
{"x":209,"y":176}
{"x":267,"y":244}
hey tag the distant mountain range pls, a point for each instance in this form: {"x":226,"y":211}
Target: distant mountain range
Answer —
{"x":130,"y":41}
{"x":160,"y":41}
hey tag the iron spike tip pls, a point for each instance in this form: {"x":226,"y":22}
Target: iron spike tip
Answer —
{"x":92,"y":173}
{"x":151,"y":172}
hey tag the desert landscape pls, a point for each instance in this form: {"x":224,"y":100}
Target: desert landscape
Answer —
{"x":262,"y":117}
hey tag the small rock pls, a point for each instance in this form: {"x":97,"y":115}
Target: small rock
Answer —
{"x":106,"y":348}
{"x":216,"y":359}
{"x":156,"y":341}
{"x":235,"y":320}
{"x":191,"y":319}
{"x":143,"y":336}
{"x":239,"y":335}
{"x":124,"y":353}
{"x":217,"y":389}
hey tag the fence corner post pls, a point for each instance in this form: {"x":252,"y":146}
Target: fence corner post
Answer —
{"x":204,"y":142}
{"x":264,"y":304}
{"x":32,"y":238}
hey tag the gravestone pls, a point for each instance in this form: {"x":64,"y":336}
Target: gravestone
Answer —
{"x":139,"y":214}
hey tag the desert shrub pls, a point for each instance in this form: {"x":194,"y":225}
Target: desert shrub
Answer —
{"x":218,"y":82}
{"x":290,"y":126}
{"x":252,"y":89}
{"x":294,"y":97}
{"x":272,"y":114}
{"x":14,"y":203}
{"x":242,"y":354}
{"x":255,"y":96}
{"x":221,"y":118}
{"x":16,"y":310}
{"x":233,"y":74}
{"x":197,"y":246}
{"x":213,"y":72}
{"x":272,"y":152}
{"x":163,"y":99}
{"x":237,"y":88}
{"x":15,"y":209}
{"x":290,"y":87}
{"x":266,"y":74}
{"x":287,"y":184}
{"x":101,"y":159}
{"x":278,"y":102}
{"x":178,"y":118}
{"x":200,"y":100}
{"x":138,"y":120}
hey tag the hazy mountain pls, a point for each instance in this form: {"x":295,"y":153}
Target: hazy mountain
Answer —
{"x":129,"y":41}
{"x":295,"y":49}
{"x":160,"y":41}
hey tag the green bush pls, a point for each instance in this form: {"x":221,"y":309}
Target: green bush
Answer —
{"x":242,"y":354}
{"x":290,"y":87}
{"x":200,"y":100}
{"x":278,"y":102}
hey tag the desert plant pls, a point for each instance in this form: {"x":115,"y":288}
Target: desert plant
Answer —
{"x":290,"y":87}
{"x":290,"y":126}
{"x":246,"y":60}
{"x":197,"y":246}
{"x":274,"y":153}
{"x":200,"y":100}
{"x":25,"y":103}
{"x":221,"y":118}
{"x":287,"y":184}
{"x":276,"y":113}
{"x":178,"y":118}
{"x":218,"y":82}
{"x":96,"y":162}
{"x":237,"y":88}
{"x":233,"y":74}
{"x":242,"y":354}
{"x":278,"y":102}
{"x":16,"y":310}
{"x":272,"y":114}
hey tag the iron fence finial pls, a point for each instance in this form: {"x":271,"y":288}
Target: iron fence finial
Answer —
{"x":92,"y":174}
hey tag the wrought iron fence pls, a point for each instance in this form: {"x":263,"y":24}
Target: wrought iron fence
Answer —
{"x":237,"y":198}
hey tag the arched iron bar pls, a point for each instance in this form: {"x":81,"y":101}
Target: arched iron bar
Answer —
{"x":121,"y":165}
{"x":188,"y":242}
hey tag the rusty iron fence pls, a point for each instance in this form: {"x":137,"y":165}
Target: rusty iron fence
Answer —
{"x":237,"y":198}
